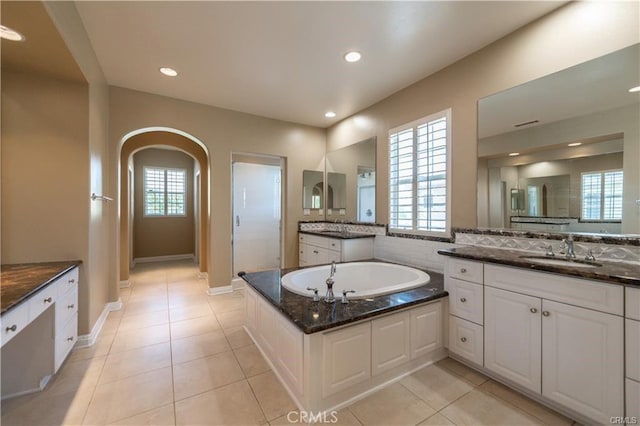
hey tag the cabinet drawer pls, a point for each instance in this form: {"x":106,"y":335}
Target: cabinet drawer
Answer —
{"x":574,"y":291}
{"x":633,"y":398}
{"x":465,"y":339}
{"x":66,"y":307}
{"x":465,"y":270}
{"x":633,"y":303}
{"x":42,"y":300}
{"x":67,"y":282}
{"x":632,"y":331}
{"x":314,"y":240}
{"x":14,"y":321}
{"x":64,"y":341}
{"x":465,"y":300}
{"x":333,"y":244}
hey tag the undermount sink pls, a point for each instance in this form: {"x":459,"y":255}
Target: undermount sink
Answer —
{"x":561,"y":261}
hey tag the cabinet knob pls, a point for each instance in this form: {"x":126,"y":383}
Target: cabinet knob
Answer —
{"x":12,"y":328}
{"x":70,"y":339}
{"x":71,"y":281}
{"x":48,"y":300}
{"x":316,"y":251}
{"x":463,"y":339}
{"x":71,"y":306}
{"x":463,"y":299}
{"x":533,"y":310}
{"x":546,"y":313}
{"x":463,"y":270}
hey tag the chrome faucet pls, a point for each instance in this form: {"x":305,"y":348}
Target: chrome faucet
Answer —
{"x":568,"y":244}
{"x":329,"y":297}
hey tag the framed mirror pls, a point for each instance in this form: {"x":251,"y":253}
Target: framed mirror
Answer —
{"x":354,"y":169}
{"x":567,"y":146}
{"x":312,"y":189}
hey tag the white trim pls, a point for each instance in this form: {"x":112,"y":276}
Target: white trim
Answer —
{"x":43,"y":383}
{"x":164,"y":258}
{"x":203,"y":275}
{"x":125,"y":284}
{"x":237,"y":284}
{"x":86,"y":340}
{"x":214,"y":291}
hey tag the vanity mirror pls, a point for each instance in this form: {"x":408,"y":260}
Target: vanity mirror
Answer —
{"x":351,"y":177}
{"x":561,"y":153}
{"x":312,"y":189}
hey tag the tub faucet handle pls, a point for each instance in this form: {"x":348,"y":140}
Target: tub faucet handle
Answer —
{"x":345,"y":299}
{"x":316,"y":298}
{"x":549,"y":250}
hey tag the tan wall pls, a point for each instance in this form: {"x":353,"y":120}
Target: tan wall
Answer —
{"x":223,"y":132}
{"x":576,"y":33}
{"x":162,"y":236}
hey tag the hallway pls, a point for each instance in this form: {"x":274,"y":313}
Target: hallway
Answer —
{"x":174,"y":355}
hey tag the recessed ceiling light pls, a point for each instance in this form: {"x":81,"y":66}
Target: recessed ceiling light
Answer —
{"x":635,"y":89}
{"x":329,"y":114}
{"x":575,"y":144}
{"x":352,"y":56}
{"x":513,"y":154}
{"x":168,"y":71}
{"x":9,"y":34}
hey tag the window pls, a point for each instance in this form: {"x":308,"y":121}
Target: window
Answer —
{"x":602,"y":195}
{"x":419,"y":175}
{"x":164,"y":192}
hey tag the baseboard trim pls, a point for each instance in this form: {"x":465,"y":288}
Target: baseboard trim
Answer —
{"x":164,"y":258}
{"x":214,"y":291}
{"x":86,"y":340}
{"x":125,"y":284}
{"x":237,"y":284}
{"x":203,"y":275}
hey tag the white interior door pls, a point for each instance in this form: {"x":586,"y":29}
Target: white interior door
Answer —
{"x":256,"y":216}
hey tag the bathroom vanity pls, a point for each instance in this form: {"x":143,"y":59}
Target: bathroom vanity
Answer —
{"x":552,"y":329}
{"x":321,"y":247}
{"x":329,"y":355}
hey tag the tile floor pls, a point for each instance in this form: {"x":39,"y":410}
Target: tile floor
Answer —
{"x":175,"y":356}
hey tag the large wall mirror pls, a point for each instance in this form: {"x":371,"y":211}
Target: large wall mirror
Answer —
{"x":562,"y":153}
{"x":351,"y":182}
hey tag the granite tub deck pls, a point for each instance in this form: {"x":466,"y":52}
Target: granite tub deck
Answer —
{"x":19,"y":281}
{"x":311,"y":317}
{"x":627,"y":273}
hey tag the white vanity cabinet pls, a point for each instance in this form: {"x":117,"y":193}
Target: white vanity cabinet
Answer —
{"x":632,"y":343}
{"x":318,"y":250}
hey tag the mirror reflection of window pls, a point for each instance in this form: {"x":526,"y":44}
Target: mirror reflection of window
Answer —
{"x":532,"y":192}
{"x":602,"y":195}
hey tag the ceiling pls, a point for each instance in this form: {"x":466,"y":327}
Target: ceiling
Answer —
{"x":284,"y":60}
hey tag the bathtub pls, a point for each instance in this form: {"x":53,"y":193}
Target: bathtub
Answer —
{"x":367,"y":279}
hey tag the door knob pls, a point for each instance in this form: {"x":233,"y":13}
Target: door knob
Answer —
{"x":546,"y":313}
{"x":463,"y":300}
{"x":533,"y":310}
{"x":463,"y":339}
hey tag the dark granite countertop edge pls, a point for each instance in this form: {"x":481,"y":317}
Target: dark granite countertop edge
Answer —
{"x":338,"y":235}
{"x":560,"y":270}
{"x":72,"y":264}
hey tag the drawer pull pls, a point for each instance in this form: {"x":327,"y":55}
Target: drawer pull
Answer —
{"x":316,"y":251}
{"x":12,"y":328}
{"x":71,"y":281}
{"x":463,"y":299}
{"x":70,"y":339}
{"x":546,"y":313}
{"x":463,"y":339}
{"x":463,"y":270}
{"x":533,"y":310}
{"x":48,"y":300}
{"x":71,"y":306}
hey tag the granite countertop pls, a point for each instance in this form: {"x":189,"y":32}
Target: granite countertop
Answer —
{"x":609,"y":271}
{"x":311,"y":317}
{"x":19,"y":281}
{"x":338,"y":235}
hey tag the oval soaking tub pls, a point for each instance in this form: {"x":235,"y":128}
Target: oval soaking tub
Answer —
{"x":368,"y":279}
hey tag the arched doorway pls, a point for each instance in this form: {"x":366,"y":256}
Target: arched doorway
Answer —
{"x":159,"y":137}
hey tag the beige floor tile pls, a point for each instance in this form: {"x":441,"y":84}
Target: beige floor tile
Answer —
{"x":181,"y":301}
{"x":99,"y":349}
{"x":204,"y":374}
{"x":227,"y":304}
{"x":232,"y":318}
{"x":437,"y":420}
{"x":148,"y":291}
{"x":147,"y":319}
{"x":393,"y":405}
{"x":194,"y":327}
{"x":437,"y":386}
{"x":79,"y":376}
{"x":181,"y":314}
{"x":527,"y":405}
{"x":251,"y":360}
{"x":338,"y":418}
{"x":233,"y":404}
{"x":129,"y":363}
{"x":163,"y":416}
{"x":462,"y":370}
{"x":111,"y":324}
{"x":237,"y":337}
{"x":200,"y":346}
{"x":133,"y":307}
{"x":481,"y":408}
{"x":129,"y":397}
{"x":41,"y":409}
{"x":128,"y":340}
{"x":272,"y":396}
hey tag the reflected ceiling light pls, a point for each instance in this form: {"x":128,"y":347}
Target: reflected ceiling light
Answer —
{"x":9,"y":34}
{"x":575,"y":144}
{"x":170,"y":72}
{"x":329,"y":114}
{"x":635,"y":89}
{"x":352,"y":56}
{"x":513,"y":154}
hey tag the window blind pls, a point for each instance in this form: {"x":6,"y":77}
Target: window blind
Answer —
{"x":164,"y":192}
{"x":602,"y":195}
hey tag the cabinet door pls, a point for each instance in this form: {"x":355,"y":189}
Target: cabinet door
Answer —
{"x":426,"y":329}
{"x":582,"y":358}
{"x":346,"y":358}
{"x":302,"y":254}
{"x":512,"y":337}
{"x":633,"y":398}
{"x":465,"y":300}
{"x":632,"y":340}
{"x":466,"y":339}
{"x":390,"y":342}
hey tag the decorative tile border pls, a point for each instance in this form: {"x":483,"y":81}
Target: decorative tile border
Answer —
{"x":360,"y":228}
